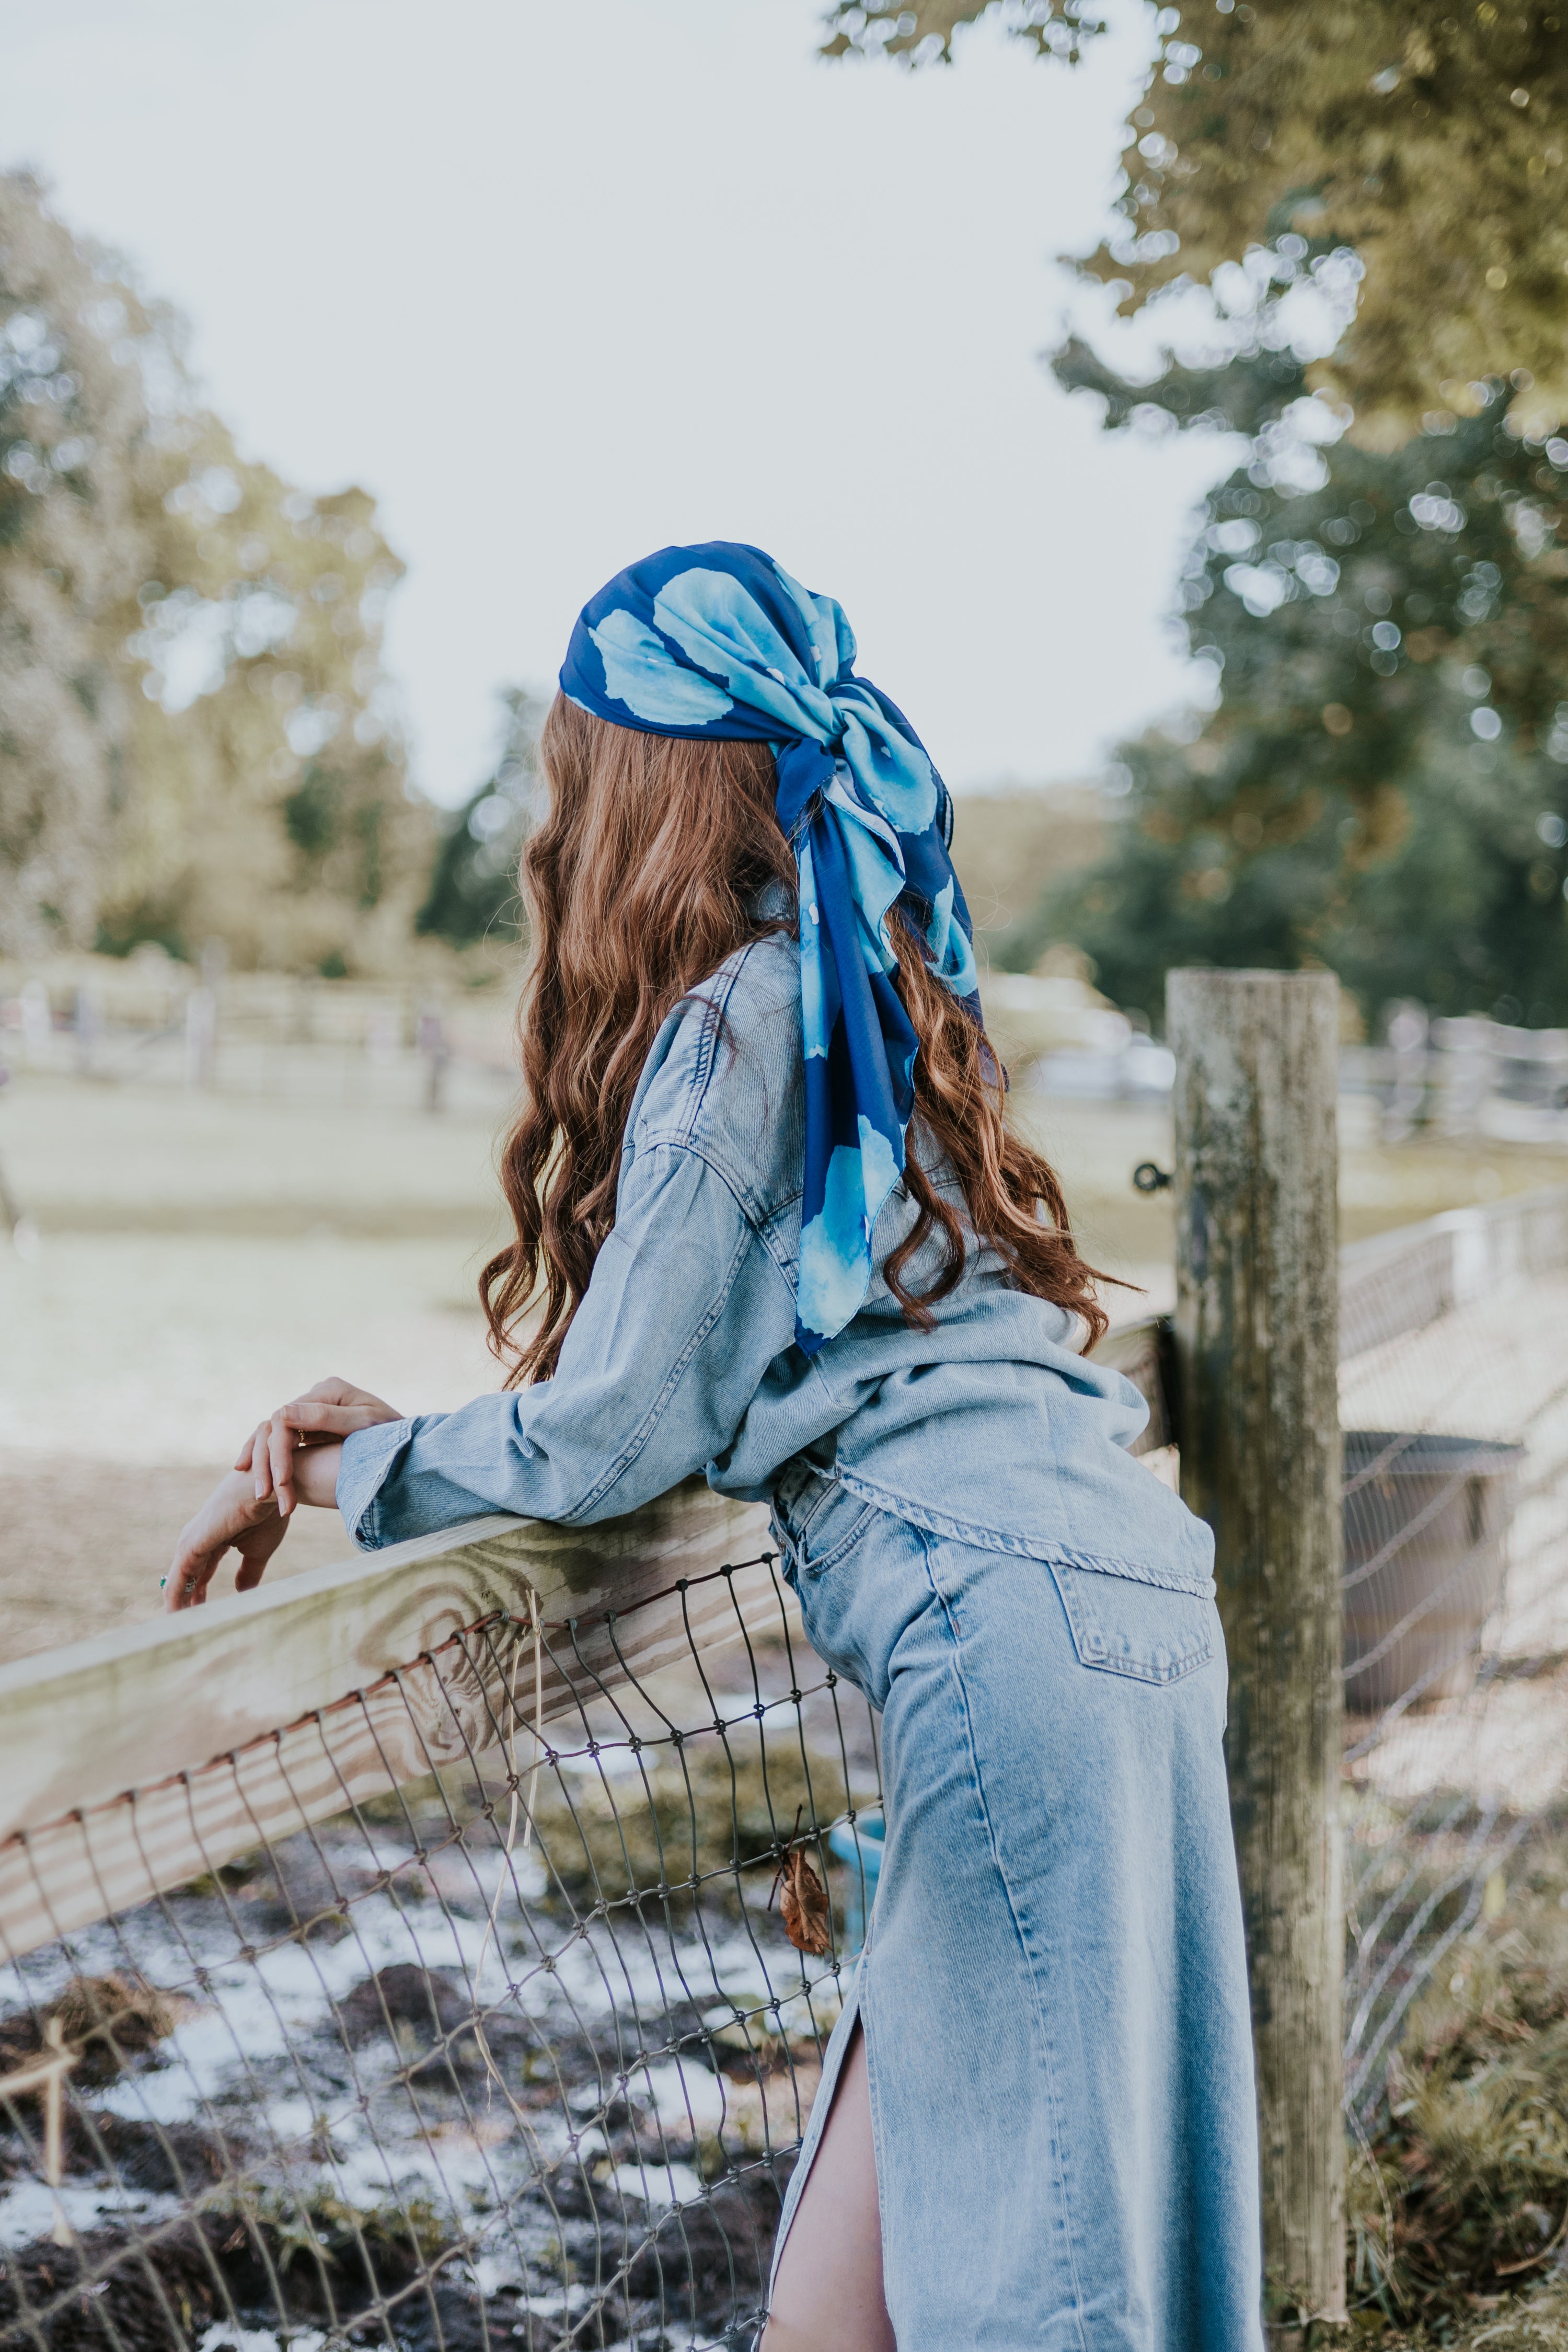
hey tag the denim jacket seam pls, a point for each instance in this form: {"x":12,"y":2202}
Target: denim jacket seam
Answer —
{"x":679,"y":1127}
{"x":656,"y":1410}
{"x":760,"y":1216}
{"x":715,"y":1003}
{"x":1048,"y":1551}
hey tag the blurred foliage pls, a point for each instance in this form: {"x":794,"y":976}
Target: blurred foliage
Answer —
{"x":922,"y":34}
{"x":195,"y":733}
{"x":70,"y":557}
{"x":1430,"y":136}
{"x":1383,"y":787}
{"x":473,"y":894}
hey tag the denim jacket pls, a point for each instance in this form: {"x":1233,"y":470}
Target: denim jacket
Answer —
{"x":989,"y":1426}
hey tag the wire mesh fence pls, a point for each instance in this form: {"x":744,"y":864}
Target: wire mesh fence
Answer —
{"x":1454,"y":1400}
{"x":517,"y":2047}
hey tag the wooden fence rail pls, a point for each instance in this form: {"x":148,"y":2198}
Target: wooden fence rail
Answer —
{"x":136,"y":1760}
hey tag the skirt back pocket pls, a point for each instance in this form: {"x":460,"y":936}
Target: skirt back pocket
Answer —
{"x":1120,"y":1625}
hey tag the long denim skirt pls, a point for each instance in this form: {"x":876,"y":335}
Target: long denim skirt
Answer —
{"x":1054,"y":1986}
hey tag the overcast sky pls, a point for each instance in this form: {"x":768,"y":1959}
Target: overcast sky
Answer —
{"x":561,"y":283}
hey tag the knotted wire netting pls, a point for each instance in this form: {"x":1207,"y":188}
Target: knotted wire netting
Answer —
{"x":519,"y":2051}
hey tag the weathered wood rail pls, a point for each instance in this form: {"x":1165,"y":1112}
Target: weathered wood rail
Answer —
{"x":135,"y":1760}
{"x":1402,"y":1281}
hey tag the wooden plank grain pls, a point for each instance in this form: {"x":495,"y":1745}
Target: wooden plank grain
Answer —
{"x":464,"y":1701}
{"x":83,"y":1724}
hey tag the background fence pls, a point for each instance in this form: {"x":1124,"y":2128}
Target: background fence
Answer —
{"x":1463,"y":1077}
{"x":393,"y":1042}
{"x":391,"y":1045}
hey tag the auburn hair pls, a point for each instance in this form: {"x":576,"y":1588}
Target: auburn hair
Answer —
{"x":641,"y":879}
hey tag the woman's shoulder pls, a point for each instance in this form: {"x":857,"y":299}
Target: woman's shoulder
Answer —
{"x":756,"y":989}
{"x":724,"y":1074}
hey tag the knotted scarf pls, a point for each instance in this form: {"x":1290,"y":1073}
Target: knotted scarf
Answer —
{"x":718,"y":642}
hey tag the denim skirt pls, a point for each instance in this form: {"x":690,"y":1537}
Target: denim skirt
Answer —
{"x":1054,"y":1986}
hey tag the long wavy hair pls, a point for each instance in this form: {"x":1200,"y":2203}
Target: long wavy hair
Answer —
{"x":641,"y":879}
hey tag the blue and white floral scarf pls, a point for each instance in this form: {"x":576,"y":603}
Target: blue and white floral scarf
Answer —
{"x":718,"y":642}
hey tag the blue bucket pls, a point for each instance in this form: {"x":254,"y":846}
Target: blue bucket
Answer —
{"x":859,"y":1844}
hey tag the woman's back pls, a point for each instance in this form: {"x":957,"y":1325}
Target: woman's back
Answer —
{"x":985,"y":1424}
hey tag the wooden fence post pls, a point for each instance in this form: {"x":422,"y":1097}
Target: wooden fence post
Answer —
{"x":1257,"y":1356}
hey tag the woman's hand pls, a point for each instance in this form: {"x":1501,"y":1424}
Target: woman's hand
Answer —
{"x":330,"y":1409}
{"x":236,"y":1518}
{"x":232,"y":1518}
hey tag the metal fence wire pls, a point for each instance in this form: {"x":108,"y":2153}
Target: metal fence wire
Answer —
{"x":520,"y":2050}
{"x":1454,"y":1403}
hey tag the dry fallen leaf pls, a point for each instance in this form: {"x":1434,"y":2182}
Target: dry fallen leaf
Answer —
{"x":805,"y":1905}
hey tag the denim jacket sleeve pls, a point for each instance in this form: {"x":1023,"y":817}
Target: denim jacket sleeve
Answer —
{"x":980,"y":1420}
{"x":686,"y":1309}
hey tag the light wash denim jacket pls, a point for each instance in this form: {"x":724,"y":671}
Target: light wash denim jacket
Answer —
{"x":989,"y":1427}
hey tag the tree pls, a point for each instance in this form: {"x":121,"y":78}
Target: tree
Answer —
{"x":473,"y":894}
{"x":1430,"y":136}
{"x":75,"y":451}
{"x":273,"y":809}
{"x":195,"y":733}
{"x":1383,"y":787}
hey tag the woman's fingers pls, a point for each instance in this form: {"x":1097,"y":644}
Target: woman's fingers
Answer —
{"x":260,"y":1464}
{"x":190,"y":1573}
{"x":343,"y":1392}
{"x":233,"y":1514}
{"x":281,"y":1452}
{"x":312,"y":1418}
{"x":255,"y":1547}
{"x":334,"y":1408}
{"x":194,"y":1564}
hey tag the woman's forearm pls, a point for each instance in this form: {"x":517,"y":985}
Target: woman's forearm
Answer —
{"x":315,"y":1471}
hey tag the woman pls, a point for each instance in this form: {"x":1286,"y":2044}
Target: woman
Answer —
{"x":771,"y":1223}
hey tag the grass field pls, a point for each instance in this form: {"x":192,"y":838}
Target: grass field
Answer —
{"x":204,"y":1256}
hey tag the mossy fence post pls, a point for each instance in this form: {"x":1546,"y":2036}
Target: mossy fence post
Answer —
{"x":1257,"y":1347}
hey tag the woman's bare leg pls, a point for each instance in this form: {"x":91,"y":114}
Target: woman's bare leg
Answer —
{"x":828,"y":2297}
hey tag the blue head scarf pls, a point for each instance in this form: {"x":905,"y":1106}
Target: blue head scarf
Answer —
{"x":718,"y":642}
